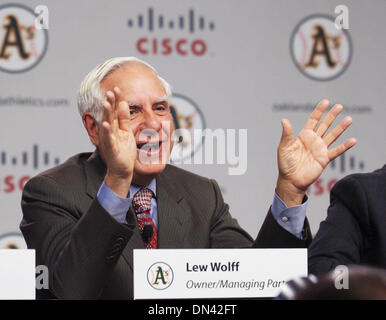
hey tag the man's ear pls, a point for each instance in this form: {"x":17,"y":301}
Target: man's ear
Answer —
{"x":92,"y":128}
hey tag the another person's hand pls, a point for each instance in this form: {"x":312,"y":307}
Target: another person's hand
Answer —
{"x":117,"y":143}
{"x":302,"y":160}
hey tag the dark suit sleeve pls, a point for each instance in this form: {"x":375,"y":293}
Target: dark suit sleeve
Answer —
{"x":340,"y":237}
{"x":227,"y":233}
{"x":79,"y":253}
{"x":273,"y":235}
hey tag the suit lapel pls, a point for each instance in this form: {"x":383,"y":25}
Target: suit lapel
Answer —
{"x":173,"y":213}
{"x":136,"y":241}
{"x":95,"y":173}
{"x":173,"y":219}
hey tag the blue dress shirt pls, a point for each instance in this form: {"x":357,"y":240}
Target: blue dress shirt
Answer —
{"x":117,"y":206}
{"x":291,"y":219}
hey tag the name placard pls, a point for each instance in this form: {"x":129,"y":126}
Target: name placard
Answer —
{"x":215,"y":273}
{"x":17,"y":274}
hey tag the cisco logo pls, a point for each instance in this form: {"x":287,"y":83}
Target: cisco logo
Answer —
{"x":188,"y":25}
{"x":33,"y":158}
{"x":20,"y":166}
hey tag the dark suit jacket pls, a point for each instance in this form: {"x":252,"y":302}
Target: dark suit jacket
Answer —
{"x":355,"y":229}
{"x":90,"y":255}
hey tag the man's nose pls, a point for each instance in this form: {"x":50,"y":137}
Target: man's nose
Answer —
{"x":151,"y":123}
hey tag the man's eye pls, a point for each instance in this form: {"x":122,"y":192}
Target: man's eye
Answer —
{"x":161,"y":107}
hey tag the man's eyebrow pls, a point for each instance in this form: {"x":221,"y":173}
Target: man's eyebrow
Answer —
{"x":133,"y":104}
{"x":164,"y":98}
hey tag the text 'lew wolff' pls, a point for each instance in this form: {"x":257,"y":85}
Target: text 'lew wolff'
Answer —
{"x":214,"y":266}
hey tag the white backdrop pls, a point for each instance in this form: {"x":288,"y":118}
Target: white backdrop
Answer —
{"x":243,"y":64}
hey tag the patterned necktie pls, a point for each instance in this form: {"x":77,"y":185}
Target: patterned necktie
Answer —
{"x":142,"y":206}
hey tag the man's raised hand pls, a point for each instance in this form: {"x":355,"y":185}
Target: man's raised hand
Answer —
{"x":117,"y":143}
{"x":302,"y":160}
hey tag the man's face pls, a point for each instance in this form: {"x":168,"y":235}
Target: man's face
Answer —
{"x":150,"y":118}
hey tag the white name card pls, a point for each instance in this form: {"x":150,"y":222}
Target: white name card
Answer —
{"x":17,"y":274}
{"x":215,"y":273}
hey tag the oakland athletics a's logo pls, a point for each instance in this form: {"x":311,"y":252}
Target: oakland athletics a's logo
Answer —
{"x":160,"y":275}
{"x":12,"y":240}
{"x":22,"y":45}
{"x":187,"y":117}
{"x":319,"y":49}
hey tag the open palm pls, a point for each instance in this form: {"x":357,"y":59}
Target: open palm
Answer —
{"x":302,"y":160}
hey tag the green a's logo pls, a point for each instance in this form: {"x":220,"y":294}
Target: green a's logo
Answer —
{"x":160,"y":275}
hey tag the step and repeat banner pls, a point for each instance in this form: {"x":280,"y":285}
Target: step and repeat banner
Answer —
{"x":237,"y":67}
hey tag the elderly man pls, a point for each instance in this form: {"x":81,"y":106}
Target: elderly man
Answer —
{"x":85,"y":217}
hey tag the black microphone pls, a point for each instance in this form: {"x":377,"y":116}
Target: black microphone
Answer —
{"x":147,"y":233}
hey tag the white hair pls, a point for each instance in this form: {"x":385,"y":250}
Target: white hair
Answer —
{"x":90,"y":94}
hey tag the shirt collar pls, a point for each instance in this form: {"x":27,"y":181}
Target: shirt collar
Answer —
{"x":152,"y":186}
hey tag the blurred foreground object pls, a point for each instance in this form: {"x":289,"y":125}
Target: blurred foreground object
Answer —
{"x":364,"y":283}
